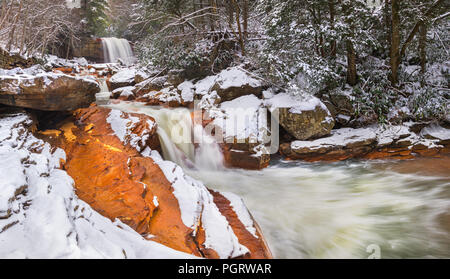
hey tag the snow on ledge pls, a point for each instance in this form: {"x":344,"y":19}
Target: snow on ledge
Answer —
{"x":41,"y":215}
{"x":241,"y":211}
{"x":339,"y":138}
{"x":197,"y":206}
{"x":296,"y":104}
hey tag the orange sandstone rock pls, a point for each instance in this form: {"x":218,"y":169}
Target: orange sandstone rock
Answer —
{"x":118,"y":182}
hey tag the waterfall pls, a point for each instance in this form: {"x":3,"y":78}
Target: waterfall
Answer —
{"x":114,"y":49}
{"x":182,"y":141}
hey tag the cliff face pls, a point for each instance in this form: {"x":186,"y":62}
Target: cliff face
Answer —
{"x":113,"y":160}
{"x":91,"y":49}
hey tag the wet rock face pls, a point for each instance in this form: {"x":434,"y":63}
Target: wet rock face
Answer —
{"x":48,"y":92}
{"x":104,"y":158}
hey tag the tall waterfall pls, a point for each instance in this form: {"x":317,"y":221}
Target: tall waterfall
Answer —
{"x":114,"y":49}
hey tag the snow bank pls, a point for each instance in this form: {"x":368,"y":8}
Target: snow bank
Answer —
{"x":197,"y":207}
{"x":40,"y":215}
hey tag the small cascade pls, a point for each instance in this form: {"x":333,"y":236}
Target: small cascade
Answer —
{"x":182,"y":141}
{"x":103,"y":97}
{"x":115,"y":49}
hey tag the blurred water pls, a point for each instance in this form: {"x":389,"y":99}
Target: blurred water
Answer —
{"x":350,"y":209}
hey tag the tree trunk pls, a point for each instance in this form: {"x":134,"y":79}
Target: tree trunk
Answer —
{"x":245,"y":18}
{"x":395,"y":41}
{"x":422,"y":51}
{"x":11,"y":33}
{"x":351,"y":64}
{"x":387,"y":23}
{"x":332,"y":15}
{"x":238,"y":23}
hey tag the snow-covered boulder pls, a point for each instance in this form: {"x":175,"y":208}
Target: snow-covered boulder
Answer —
{"x":123,"y":78}
{"x":233,"y":83}
{"x":303,"y":118}
{"x":123,"y":93}
{"x":48,"y":91}
{"x":243,"y":128}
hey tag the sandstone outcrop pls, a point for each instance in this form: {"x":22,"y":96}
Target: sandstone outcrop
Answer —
{"x":113,"y":160}
{"x":47,"y":91}
{"x":394,"y":142}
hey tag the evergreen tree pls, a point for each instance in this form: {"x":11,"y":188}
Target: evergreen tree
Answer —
{"x":95,"y":13}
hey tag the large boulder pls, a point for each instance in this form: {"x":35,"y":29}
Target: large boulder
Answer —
{"x":242,"y":129}
{"x":123,"y":78}
{"x":302,"y":118}
{"x":48,"y":91}
{"x":112,"y":157}
{"x":233,"y":83}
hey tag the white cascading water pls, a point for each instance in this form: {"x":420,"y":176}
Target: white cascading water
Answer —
{"x":330,"y":210}
{"x":115,"y":49}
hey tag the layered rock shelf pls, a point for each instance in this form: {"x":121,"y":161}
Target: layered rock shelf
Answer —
{"x":395,"y":142}
{"x":47,"y":91}
{"x":113,"y":159}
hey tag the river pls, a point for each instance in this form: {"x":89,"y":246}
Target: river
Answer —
{"x":352,"y":209}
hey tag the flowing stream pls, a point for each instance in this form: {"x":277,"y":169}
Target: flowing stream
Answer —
{"x":353,"y":209}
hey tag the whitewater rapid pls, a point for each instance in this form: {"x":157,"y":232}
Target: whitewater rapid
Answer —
{"x":354,"y":209}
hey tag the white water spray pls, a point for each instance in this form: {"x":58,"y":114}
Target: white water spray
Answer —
{"x":178,"y":134}
{"x":115,"y":49}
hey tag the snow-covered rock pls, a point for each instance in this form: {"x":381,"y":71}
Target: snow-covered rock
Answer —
{"x":114,"y":160}
{"x":123,"y":78}
{"x":48,"y":91}
{"x":234,"y":82}
{"x":437,"y":132}
{"x":243,"y":128}
{"x":303,"y":118}
{"x":40,"y":214}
